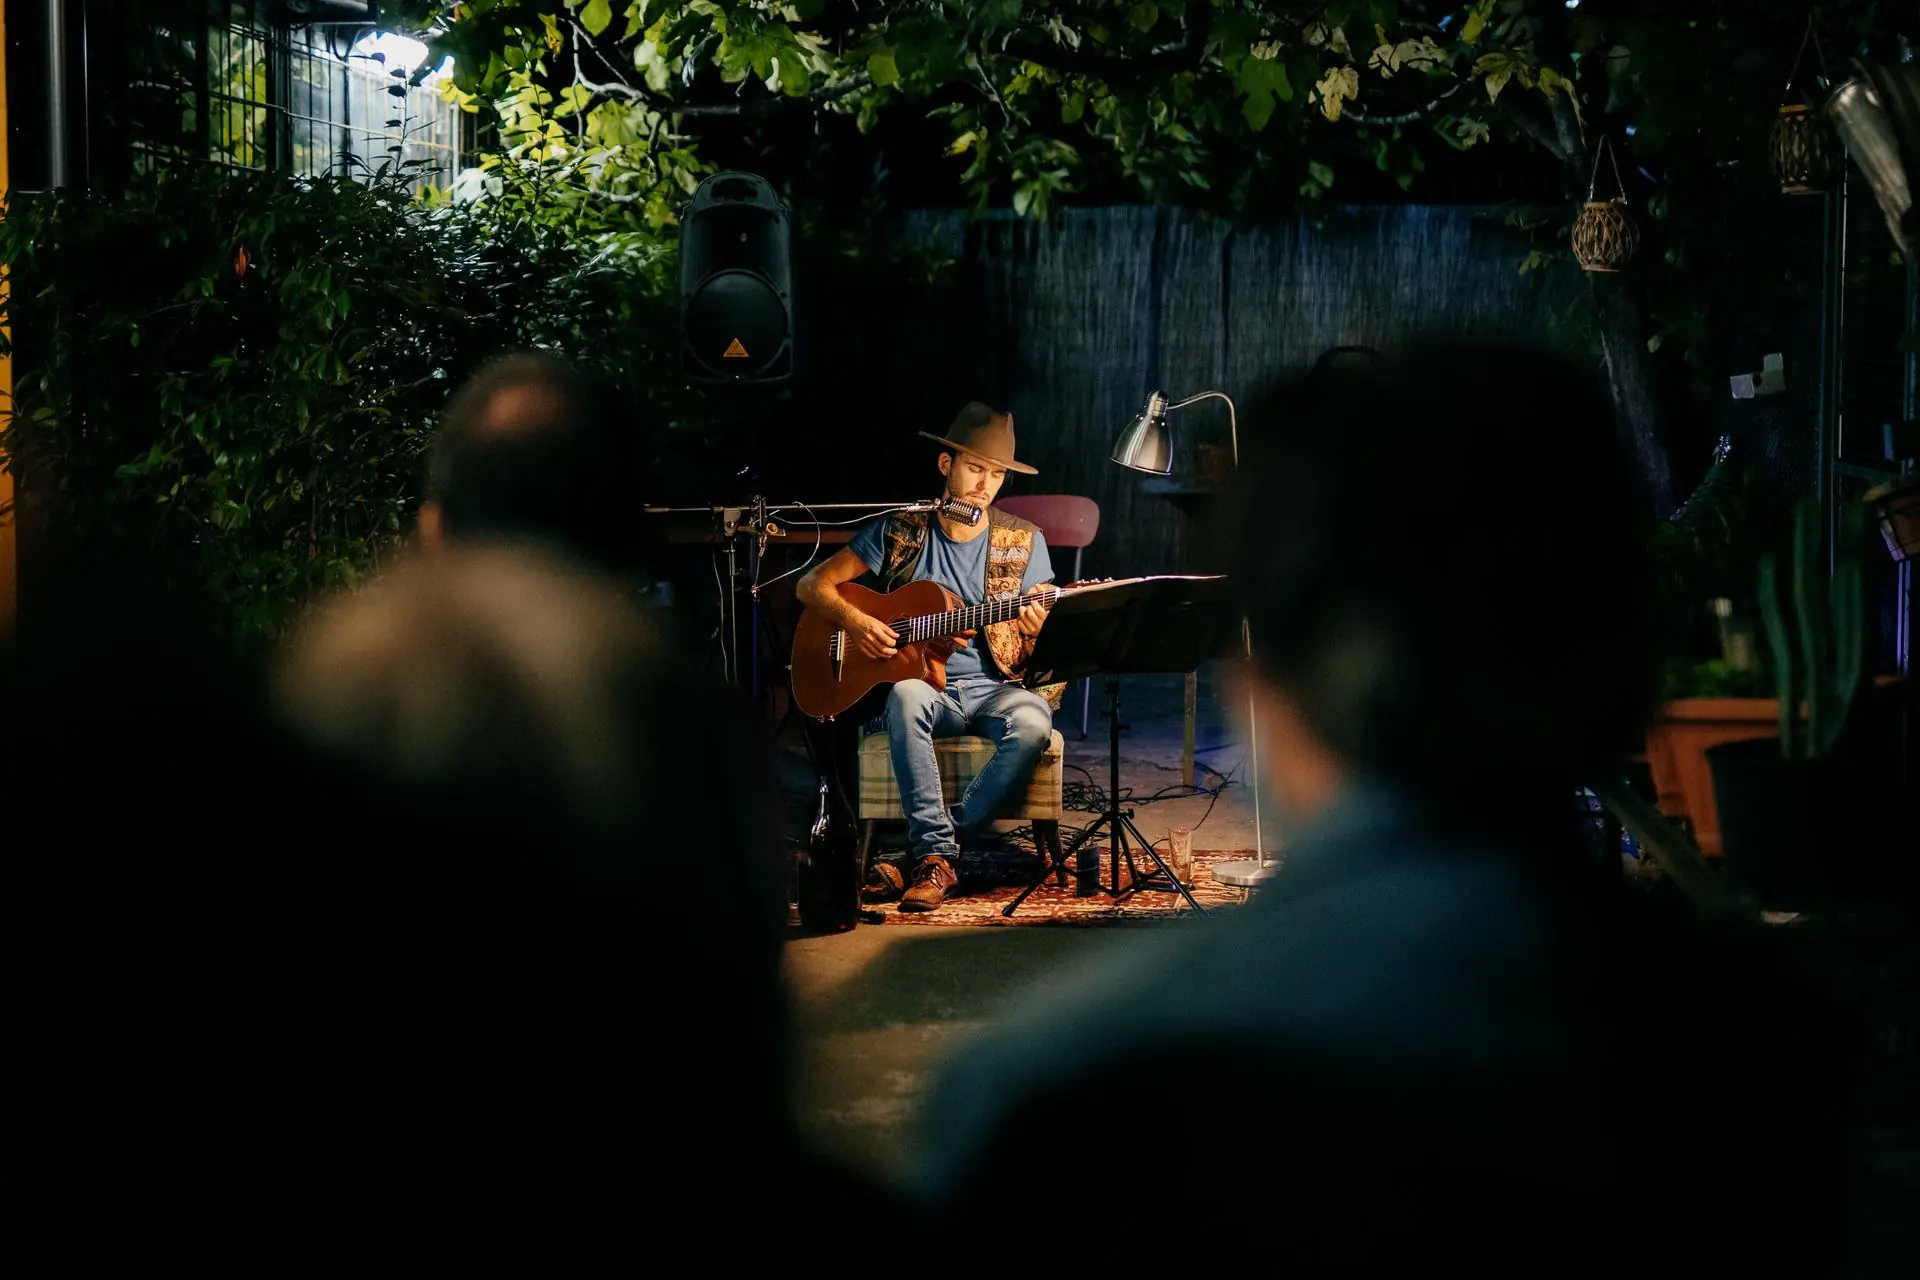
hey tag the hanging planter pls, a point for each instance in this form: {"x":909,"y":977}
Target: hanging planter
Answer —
{"x":1604,"y":235}
{"x":1801,"y":148}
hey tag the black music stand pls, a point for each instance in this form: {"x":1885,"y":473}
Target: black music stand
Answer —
{"x":1135,"y":626}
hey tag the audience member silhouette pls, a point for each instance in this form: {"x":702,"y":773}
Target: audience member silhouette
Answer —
{"x":533,"y":447}
{"x":1442,"y":1033}
{"x":473,"y":927}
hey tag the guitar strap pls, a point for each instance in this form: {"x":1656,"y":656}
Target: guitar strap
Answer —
{"x":1009,"y":548}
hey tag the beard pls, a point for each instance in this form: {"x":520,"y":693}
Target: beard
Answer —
{"x":959,"y":494}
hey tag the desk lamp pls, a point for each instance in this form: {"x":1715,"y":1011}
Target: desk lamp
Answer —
{"x":1147,"y":445}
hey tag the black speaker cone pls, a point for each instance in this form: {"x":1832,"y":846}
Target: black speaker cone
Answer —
{"x":736,"y":324}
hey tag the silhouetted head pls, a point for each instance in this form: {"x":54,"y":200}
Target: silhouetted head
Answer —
{"x":538,"y":735}
{"x":489,"y":886}
{"x":534,"y":448}
{"x":1439,"y":555}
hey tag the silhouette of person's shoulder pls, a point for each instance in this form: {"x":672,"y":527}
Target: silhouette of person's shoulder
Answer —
{"x":1406,"y":1034}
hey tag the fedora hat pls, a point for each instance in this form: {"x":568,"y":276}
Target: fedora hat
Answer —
{"x":985,"y":433}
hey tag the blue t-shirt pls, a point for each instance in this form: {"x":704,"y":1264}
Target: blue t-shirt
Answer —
{"x":960,"y":567}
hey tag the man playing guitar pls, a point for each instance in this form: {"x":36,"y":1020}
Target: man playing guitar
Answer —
{"x":996,"y":556}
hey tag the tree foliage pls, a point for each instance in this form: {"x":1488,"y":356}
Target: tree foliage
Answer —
{"x":1229,"y":103}
{"x":233,"y":376}
{"x":1251,"y":108}
{"x":1235,"y":105}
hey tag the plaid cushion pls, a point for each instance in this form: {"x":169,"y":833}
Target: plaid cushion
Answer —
{"x":960,"y":759}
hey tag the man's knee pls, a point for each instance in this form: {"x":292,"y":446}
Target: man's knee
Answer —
{"x":1030,"y":725}
{"x":911,"y":703}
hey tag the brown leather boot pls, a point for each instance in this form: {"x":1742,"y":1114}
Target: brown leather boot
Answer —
{"x":932,"y":877}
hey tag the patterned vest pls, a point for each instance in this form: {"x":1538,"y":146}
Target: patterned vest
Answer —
{"x":1009,"y":548}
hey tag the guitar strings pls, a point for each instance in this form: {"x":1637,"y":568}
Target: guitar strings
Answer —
{"x":974,"y":616}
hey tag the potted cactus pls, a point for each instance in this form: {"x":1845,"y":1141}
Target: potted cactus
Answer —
{"x":1780,"y":798}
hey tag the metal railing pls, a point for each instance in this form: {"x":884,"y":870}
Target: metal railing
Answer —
{"x":239,"y":84}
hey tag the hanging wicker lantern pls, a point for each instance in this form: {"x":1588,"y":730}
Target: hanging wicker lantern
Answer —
{"x":1896,"y":505}
{"x":1801,"y":151}
{"x":1604,"y":237}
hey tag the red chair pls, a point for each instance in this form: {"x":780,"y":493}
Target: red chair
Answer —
{"x":1066,"y":520}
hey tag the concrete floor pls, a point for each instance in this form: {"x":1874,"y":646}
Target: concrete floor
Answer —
{"x":877,"y":1008}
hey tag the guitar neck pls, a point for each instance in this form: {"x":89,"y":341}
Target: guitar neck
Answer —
{"x":975,"y":616}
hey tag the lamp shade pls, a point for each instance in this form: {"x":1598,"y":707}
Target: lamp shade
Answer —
{"x":1877,"y":114}
{"x":1147,"y":443}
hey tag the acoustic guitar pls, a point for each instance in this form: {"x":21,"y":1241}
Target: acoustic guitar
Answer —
{"x":829,"y":674}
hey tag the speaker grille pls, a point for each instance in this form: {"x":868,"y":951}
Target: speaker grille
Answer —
{"x":736,"y":326}
{"x":736,"y":281}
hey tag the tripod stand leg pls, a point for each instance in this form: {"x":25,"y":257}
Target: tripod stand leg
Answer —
{"x":1165,"y":870}
{"x":1057,"y":862}
{"x":1046,"y":834}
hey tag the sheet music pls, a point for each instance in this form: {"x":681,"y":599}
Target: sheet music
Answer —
{"x":1149,"y":623}
{"x":1102,"y":584}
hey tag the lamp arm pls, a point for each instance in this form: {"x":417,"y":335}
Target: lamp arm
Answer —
{"x":1233,"y":418}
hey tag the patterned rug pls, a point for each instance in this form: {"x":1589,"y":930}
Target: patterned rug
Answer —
{"x":990,"y":880}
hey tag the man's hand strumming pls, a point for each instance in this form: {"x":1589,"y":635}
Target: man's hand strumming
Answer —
{"x":873,"y":638}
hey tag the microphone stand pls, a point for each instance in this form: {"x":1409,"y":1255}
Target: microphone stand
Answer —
{"x":755,"y":518}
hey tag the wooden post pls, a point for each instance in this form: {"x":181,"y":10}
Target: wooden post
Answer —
{"x":9,"y":564}
{"x":1186,"y":736}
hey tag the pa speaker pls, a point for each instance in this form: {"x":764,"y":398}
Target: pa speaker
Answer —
{"x":736,"y":283}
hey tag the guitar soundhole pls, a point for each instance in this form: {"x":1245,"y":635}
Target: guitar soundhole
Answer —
{"x":899,"y":626}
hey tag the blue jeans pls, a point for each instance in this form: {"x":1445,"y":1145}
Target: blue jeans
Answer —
{"x":1017,"y":721}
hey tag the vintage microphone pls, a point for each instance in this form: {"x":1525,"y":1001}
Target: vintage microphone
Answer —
{"x":958,"y":510}
{"x":950,"y":507}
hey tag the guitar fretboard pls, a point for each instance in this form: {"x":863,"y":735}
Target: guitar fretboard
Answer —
{"x":975,"y":616}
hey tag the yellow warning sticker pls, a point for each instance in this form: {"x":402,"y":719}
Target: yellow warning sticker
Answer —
{"x":734,"y":350}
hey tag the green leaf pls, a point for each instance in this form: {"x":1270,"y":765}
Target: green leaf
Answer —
{"x":596,"y":16}
{"x":993,"y":15}
{"x":1320,"y":173}
{"x":1476,"y":23}
{"x":1338,"y":85}
{"x":1263,"y":80}
{"x":1143,"y":16}
{"x":1234,"y":32}
{"x":1075,"y":107}
{"x":572,"y":98}
{"x":883,"y":69}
